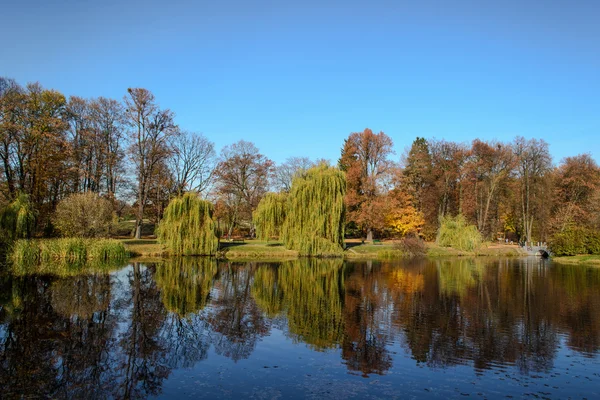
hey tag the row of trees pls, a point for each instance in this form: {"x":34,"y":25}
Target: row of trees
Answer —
{"x":133,"y":153}
{"x":503,"y":188}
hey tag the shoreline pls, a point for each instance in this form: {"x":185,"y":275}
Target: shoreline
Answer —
{"x":274,"y":251}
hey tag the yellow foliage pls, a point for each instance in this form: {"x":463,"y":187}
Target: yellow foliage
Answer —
{"x":405,"y":221}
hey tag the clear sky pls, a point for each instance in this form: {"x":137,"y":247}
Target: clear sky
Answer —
{"x":296,"y":77}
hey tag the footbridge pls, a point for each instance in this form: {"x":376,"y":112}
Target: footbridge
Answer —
{"x":540,"y":251}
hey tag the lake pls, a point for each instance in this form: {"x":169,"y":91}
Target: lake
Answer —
{"x":195,"y":328}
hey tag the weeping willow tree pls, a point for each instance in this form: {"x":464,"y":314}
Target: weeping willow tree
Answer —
{"x":187,"y":227}
{"x":17,"y":219}
{"x":269,"y":215}
{"x":314,"y":224}
{"x":185,"y":283}
{"x":457,"y":233}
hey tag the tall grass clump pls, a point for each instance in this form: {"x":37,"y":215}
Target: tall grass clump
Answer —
{"x":455,"y":232}
{"x":187,"y":227}
{"x":269,"y":215}
{"x":69,"y":250}
{"x":315,"y":220}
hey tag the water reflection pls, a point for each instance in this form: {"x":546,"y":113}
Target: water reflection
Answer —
{"x":122,"y":333}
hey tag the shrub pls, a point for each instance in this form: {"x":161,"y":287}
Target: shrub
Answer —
{"x":575,"y":240}
{"x":457,"y":233}
{"x":83,"y":215}
{"x":412,"y":246}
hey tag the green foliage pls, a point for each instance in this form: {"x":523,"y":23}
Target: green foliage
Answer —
{"x":83,"y":215}
{"x":575,"y":240}
{"x":185,"y":283}
{"x":17,"y":220}
{"x":72,"y":251}
{"x":187,"y":227}
{"x":455,"y":232}
{"x":314,"y":225}
{"x":270,"y":215}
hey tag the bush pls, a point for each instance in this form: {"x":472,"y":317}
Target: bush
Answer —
{"x":457,"y":233}
{"x":574,"y":240}
{"x":83,"y":215}
{"x":411,"y":246}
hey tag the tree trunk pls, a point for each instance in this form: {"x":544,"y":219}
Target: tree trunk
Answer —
{"x":369,"y":234}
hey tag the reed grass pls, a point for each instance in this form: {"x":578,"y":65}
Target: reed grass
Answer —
{"x":68,"y":250}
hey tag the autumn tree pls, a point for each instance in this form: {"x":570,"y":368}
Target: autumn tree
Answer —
{"x":577,"y":193}
{"x":365,"y":160}
{"x":418,"y":183}
{"x":33,"y":145}
{"x":448,"y":173}
{"x":490,"y":166}
{"x":242,"y":178}
{"x":402,"y":218}
{"x":150,"y":133}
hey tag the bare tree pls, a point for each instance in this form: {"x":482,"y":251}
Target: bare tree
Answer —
{"x":533,"y":164}
{"x":108,"y":117}
{"x":285,"y":173}
{"x":151,"y":131}
{"x":242,"y":180}
{"x":193,"y":162}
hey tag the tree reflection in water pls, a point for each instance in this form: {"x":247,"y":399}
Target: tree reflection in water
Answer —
{"x":121,"y":334}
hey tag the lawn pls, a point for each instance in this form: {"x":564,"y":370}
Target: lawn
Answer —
{"x":581,"y":259}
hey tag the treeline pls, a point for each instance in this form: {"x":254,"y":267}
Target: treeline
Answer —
{"x":132,"y":153}
{"x":507,"y":188}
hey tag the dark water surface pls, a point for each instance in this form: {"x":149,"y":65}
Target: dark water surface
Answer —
{"x":311,"y":328}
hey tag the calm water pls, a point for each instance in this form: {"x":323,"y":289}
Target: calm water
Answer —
{"x":321,"y":329}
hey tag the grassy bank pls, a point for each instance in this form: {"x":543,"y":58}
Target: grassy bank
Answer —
{"x":81,"y":250}
{"x":69,"y":250}
{"x":257,"y":249}
{"x":581,"y":259}
{"x":485,"y":250}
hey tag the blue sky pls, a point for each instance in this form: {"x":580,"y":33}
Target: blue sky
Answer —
{"x":296,"y":77}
